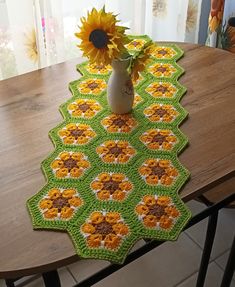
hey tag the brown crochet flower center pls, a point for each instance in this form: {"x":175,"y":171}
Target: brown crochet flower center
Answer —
{"x":159,"y":138}
{"x":160,"y":112}
{"x":161,"y":69}
{"x":157,"y":210}
{"x":103,"y":228}
{"x":116,"y":150}
{"x":60,"y":203}
{"x":159,"y":171}
{"x":161,"y":89}
{"x":77,"y":133}
{"x":162,"y":52}
{"x":84,"y":107}
{"x":70,"y":163}
{"x":111,"y":185}
{"x":119,"y":122}
{"x":93,"y":86}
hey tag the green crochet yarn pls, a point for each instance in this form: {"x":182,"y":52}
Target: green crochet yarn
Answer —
{"x":114,"y":179}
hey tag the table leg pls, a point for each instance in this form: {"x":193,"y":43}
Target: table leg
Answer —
{"x":10,"y":282}
{"x":51,"y":279}
{"x":210,"y":235}
{"x":230,"y":267}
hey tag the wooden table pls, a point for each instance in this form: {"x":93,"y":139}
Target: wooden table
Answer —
{"x":29,"y":109}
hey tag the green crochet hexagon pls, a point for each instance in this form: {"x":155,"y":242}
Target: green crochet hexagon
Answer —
{"x":88,"y":87}
{"x":166,"y":52}
{"x":159,"y":138}
{"x":140,"y":42}
{"x":87,"y":131}
{"x":163,"y":70}
{"x":74,"y":166}
{"x":76,"y":108}
{"x":88,"y":69}
{"x":57,"y":204}
{"x":163,"y":89}
{"x":157,"y":175}
{"x":156,"y":111}
{"x":113,"y":151}
{"x":112,"y":184}
{"x":159,"y":216}
{"x":120,"y":124}
{"x":109,"y":234}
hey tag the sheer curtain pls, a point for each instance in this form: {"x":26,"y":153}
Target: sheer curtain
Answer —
{"x":39,"y":33}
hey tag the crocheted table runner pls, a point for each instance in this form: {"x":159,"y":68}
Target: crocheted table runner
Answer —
{"x":114,"y":179}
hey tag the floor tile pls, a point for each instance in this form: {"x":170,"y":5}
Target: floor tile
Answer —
{"x":164,"y":266}
{"x":222,"y":261}
{"x":82,"y":269}
{"x":213,"y":278}
{"x":224,"y":233}
{"x":65,"y":278}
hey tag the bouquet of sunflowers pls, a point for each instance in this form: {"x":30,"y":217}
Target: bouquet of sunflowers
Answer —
{"x":103,"y":41}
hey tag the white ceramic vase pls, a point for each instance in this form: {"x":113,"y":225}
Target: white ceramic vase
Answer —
{"x":120,"y":91}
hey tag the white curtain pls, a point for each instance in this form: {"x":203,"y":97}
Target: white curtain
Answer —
{"x":39,"y":33}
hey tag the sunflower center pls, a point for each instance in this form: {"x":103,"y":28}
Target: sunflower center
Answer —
{"x":111,"y":186}
{"x":103,"y":228}
{"x":99,"y":38}
{"x":157,"y":210}
{"x":161,"y":89}
{"x":60,"y":203}
{"x":161,"y":112}
{"x":84,"y":107}
{"x":159,"y":138}
{"x":77,"y":133}
{"x":116,"y":150}
{"x":70,"y":163}
{"x":159,"y":171}
{"x":119,"y":122}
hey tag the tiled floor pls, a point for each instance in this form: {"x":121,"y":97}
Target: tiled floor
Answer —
{"x":173,"y":264}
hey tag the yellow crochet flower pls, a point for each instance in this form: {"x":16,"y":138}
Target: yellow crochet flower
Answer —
{"x":102,"y":40}
{"x":98,"y":69}
{"x":115,"y":151}
{"x":161,"y":90}
{"x":119,"y":123}
{"x":104,"y":230}
{"x":162,"y":70}
{"x":137,"y":100}
{"x":60,"y":203}
{"x":111,"y":186}
{"x":158,"y":172}
{"x":161,"y":113}
{"x":75,"y":134}
{"x":161,"y":52}
{"x":84,"y":108}
{"x":156,"y":139}
{"x":70,"y":164}
{"x":136,"y":44}
{"x":157,"y":211}
{"x":92,"y":86}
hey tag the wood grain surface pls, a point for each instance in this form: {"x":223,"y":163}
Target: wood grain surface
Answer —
{"x":29,"y":109}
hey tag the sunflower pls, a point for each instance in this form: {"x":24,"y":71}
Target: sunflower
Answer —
{"x":31,"y":46}
{"x":101,"y":38}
